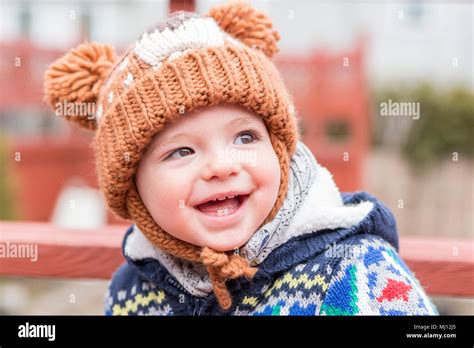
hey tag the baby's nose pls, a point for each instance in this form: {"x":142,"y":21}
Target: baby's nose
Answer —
{"x":220,"y":169}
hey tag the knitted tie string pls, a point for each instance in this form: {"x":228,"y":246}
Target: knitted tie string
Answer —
{"x":221,"y":267}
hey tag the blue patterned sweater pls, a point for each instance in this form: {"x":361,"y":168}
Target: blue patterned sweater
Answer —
{"x":341,"y":271}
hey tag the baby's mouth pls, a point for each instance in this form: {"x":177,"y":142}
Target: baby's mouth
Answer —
{"x":217,"y":208}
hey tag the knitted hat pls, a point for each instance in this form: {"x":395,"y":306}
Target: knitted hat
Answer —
{"x":186,"y":63}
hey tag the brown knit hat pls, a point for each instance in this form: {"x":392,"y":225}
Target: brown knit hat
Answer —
{"x":187,"y":63}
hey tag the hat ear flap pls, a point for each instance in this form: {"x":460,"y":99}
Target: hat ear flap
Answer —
{"x":75,"y":79}
{"x":245,"y":23}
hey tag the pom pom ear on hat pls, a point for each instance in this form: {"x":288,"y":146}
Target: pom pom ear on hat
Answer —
{"x":77,"y":77}
{"x":245,"y":23}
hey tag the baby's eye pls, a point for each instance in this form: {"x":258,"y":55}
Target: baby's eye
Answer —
{"x":247,"y":137}
{"x":181,"y":152}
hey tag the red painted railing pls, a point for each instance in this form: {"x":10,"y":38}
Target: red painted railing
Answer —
{"x":443,"y":266}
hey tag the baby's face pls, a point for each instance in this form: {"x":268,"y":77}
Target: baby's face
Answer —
{"x":195,"y":163}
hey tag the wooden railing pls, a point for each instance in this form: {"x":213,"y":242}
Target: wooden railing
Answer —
{"x":443,"y":266}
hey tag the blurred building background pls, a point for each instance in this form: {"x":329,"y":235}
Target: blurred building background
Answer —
{"x":341,"y":60}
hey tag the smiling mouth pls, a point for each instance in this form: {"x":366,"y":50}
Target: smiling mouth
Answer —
{"x":221,"y":208}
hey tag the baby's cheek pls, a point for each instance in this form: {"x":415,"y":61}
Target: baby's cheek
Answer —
{"x":169,"y":197}
{"x":266,"y":178}
{"x":172,"y":196}
{"x":267,"y":169}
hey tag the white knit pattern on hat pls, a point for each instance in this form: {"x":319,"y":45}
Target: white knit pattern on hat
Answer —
{"x":157,"y":46}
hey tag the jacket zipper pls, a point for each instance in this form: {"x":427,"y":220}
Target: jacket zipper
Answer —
{"x":176,"y":285}
{"x":196,"y":302}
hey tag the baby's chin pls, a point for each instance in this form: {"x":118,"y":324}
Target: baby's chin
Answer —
{"x":225,"y":240}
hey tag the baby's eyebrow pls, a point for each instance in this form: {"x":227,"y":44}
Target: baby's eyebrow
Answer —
{"x":177,"y":137}
{"x":159,"y":144}
{"x":235,"y":122}
{"x":238,"y":121}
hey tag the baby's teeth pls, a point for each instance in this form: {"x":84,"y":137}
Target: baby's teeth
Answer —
{"x":221,"y":212}
{"x":224,"y":198}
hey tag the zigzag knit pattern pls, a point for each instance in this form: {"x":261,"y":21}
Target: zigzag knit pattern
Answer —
{"x":373,"y":280}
